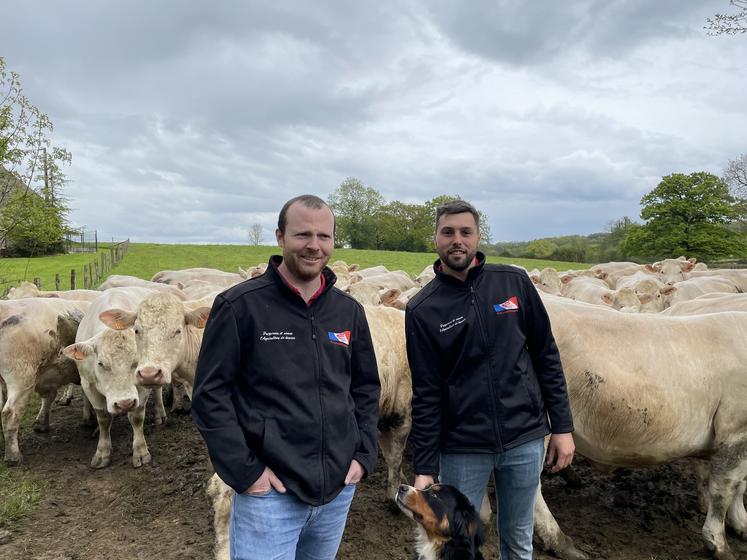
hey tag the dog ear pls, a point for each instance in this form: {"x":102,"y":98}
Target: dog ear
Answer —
{"x":467,"y":534}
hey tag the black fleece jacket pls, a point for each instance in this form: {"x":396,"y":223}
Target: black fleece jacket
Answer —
{"x":288,"y":386}
{"x":486,"y":371}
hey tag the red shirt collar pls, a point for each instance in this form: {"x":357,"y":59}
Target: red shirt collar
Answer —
{"x":322,"y":285}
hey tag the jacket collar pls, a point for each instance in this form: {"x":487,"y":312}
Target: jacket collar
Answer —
{"x":473,"y":273}
{"x":274,"y":274}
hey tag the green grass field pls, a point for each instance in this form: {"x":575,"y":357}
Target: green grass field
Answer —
{"x":145,"y":259}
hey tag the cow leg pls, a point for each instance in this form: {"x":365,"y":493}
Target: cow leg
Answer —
{"x":16,"y":398}
{"x":159,"y":409}
{"x":727,"y":473}
{"x":551,"y":537}
{"x":221,"y":498}
{"x":66,"y":395}
{"x":181,"y":396}
{"x":140,"y":453}
{"x":701,"y":469}
{"x":88,"y":420}
{"x":392,"y":442}
{"x":103,"y":456}
{"x":41,"y":423}
{"x":736,"y":517}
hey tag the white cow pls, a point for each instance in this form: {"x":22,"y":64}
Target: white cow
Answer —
{"x":123,"y":281}
{"x":33,"y":332}
{"x":106,"y":362}
{"x":597,"y":292}
{"x":709,"y":303}
{"x":27,"y":290}
{"x":212,"y":275}
{"x":648,"y":389}
{"x":371,"y":294}
{"x":168,"y":337}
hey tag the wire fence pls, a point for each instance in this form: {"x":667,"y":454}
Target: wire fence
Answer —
{"x":89,"y":277}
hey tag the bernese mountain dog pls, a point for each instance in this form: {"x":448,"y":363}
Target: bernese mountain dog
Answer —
{"x":448,"y":528}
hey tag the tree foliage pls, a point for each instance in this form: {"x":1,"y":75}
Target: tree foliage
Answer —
{"x":729,"y":24}
{"x":687,"y":215}
{"x":366,"y":221}
{"x":30,"y":171}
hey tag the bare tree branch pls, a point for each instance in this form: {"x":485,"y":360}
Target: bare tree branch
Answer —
{"x":729,"y":24}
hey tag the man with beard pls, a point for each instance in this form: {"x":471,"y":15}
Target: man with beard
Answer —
{"x":486,"y":375}
{"x":286,"y":396}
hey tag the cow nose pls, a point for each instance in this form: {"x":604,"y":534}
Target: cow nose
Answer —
{"x":150,"y":375}
{"x":125,"y":405}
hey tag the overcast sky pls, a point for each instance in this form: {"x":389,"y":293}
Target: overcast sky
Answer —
{"x":191,"y":121}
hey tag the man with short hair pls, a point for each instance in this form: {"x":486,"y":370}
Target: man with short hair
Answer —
{"x":486,"y":375}
{"x":286,"y":396}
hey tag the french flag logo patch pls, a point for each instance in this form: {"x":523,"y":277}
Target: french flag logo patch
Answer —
{"x":511,"y":305}
{"x":341,"y":338}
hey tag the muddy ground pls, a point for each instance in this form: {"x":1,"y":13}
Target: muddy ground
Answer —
{"x":160,"y":511}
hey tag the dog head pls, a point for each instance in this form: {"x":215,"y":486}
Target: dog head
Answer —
{"x":448,"y":525}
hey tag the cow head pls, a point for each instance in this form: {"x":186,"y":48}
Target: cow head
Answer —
{"x":110,"y":358}
{"x":161,"y":332}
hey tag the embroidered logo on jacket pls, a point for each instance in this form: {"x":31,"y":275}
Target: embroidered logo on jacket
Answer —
{"x":511,"y":305}
{"x":340,"y":338}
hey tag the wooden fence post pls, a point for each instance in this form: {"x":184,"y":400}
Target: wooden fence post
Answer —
{"x":113,"y":260}
{"x":72,"y":279}
{"x":37,"y":281}
{"x":96,"y":266}
{"x":85,"y":277}
{"x":103,"y":268}
{"x":57,"y":281}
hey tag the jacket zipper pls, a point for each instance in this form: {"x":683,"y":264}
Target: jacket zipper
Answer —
{"x":483,"y":336}
{"x":318,"y":372}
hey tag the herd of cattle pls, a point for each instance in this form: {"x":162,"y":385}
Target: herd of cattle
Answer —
{"x":655,"y":358}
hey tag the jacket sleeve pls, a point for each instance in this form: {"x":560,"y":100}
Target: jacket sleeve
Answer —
{"x":365,"y":388}
{"x":425,"y":434}
{"x":213,"y":410}
{"x":546,"y":361}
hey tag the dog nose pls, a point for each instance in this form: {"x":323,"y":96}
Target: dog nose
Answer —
{"x":403,"y":487}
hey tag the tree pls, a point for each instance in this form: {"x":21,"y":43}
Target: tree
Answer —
{"x":687,"y":215}
{"x":729,"y":24}
{"x":255,"y":234}
{"x":735,"y":175}
{"x":355,"y":206}
{"x":29,"y":165}
{"x":541,"y":249}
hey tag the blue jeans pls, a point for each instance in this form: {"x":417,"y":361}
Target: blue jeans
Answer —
{"x":279,"y":526}
{"x":517,"y":474}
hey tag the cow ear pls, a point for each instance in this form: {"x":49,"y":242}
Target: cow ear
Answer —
{"x":692,"y":260}
{"x":651,"y":268}
{"x":118,"y":319}
{"x":78,"y":351}
{"x":197,"y":318}
{"x":668,"y":290}
{"x":567,"y":279}
{"x":353,"y":267}
{"x":535,"y":279}
{"x":602,"y":275}
{"x":688,"y":266}
{"x":607,"y":299}
{"x":243,"y":273}
{"x":645,"y":298}
{"x":389,"y":296}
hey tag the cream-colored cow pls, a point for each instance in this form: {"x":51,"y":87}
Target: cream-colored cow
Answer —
{"x":168,"y":336}
{"x":33,"y":332}
{"x":649,"y":389}
{"x":27,"y":290}
{"x":106,"y":361}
